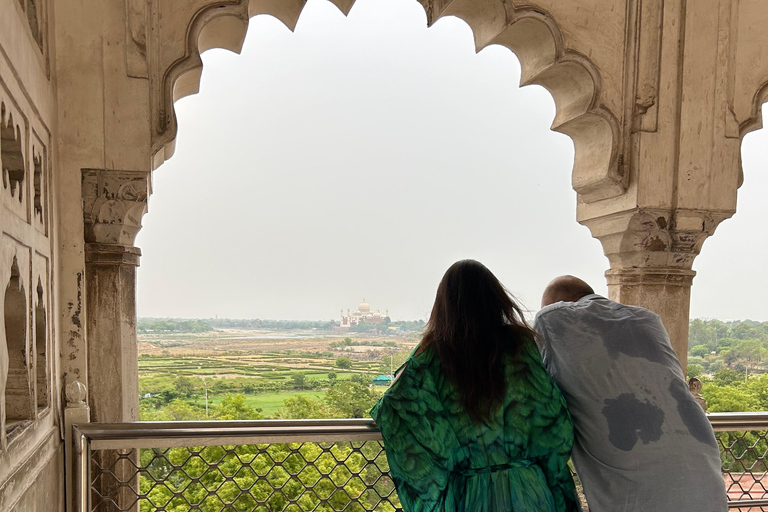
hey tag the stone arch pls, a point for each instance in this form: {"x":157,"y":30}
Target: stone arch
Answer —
{"x":531,"y":33}
{"x":41,"y":349}
{"x":18,"y":397}
{"x":755,"y":120}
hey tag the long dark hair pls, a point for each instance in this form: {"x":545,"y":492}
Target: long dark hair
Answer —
{"x":473,"y":325}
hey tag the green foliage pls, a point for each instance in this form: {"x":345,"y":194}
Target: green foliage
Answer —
{"x":344,"y":363}
{"x":176,"y":410}
{"x":275,"y":474}
{"x":184,"y":386}
{"x":726,"y":377}
{"x":348,"y":342}
{"x":299,"y":381}
{"x":258,"y":323}
{"x":302,"y":407}
{"x":351,"y":399}
{"x":233,"y":407}
{"x":700,"y":351}
{"x":392,"y":362}
{"x":166,"y":325}
{"x":695,"y":370}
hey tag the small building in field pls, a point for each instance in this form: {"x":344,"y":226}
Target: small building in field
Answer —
{"x":383,"y":380}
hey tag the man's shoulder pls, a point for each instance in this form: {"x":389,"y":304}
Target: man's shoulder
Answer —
{"x":567,"y":308}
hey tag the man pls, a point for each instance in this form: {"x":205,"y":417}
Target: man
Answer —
{"x":642,"y":441}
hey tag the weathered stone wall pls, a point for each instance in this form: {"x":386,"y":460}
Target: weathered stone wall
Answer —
{"x":31,"y":450}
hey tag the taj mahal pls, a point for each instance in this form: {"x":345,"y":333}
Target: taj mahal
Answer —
{"x":362,"y":314}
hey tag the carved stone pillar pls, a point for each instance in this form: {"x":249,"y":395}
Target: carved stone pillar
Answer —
{"x":113,"y":205}
{"x":651,"y":252}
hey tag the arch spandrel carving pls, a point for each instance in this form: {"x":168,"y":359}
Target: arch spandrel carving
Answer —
{"x":545,"y":54}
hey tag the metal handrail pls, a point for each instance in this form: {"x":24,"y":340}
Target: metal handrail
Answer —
{"x":149,"y":434}
{"x":729,"y":421}
{"x":159,"y":434}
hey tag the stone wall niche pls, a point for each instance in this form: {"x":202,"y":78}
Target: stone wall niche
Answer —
{"x":37,"y":162}
{"x":18,"y":396}
{"x":41,"y":350}
{"x":11,"y":155}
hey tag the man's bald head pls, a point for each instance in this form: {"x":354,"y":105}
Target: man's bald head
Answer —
{"x":565,"y":288}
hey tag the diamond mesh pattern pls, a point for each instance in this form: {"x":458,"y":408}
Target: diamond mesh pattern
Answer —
{"x":744,"y":456}
{"x":323,"y":477}
{"x":295,"y":477}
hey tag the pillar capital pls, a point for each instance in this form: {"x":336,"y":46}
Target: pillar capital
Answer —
{"x":112,"y":254}
{"x":113,"y":204}
{"x":650,"y":276}
{"x":654,"y":242}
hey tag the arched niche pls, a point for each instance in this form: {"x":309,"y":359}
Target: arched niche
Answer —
{"x":41,"y":350}
{"x":19,"y":401}
{"x":11,"y":155}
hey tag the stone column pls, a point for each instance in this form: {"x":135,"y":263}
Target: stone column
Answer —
{"x":651,"y":252}
{"x":113,"y":205}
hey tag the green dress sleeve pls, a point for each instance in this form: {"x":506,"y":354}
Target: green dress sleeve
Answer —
{"x":552,"y":436}
{"x":418,"y":439}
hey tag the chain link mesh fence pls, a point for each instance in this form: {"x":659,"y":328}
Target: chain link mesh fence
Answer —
{"x":292,"y":477}
{"x":318,"y":476}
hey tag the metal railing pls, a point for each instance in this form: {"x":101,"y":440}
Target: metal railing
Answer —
{"x":304,"y":465}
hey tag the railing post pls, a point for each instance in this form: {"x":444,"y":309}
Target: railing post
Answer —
{"x":76,"y":412}
{"x":82,"y":485}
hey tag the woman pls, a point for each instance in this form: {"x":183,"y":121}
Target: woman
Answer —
{"x":473,"y":421}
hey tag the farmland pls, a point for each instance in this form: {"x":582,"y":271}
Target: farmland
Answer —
{"x":262,"y":367}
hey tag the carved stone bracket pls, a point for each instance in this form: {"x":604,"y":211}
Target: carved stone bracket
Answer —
{"x":654,"y":238}
{"x":113,"y":204}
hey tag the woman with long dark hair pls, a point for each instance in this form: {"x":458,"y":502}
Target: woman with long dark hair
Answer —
{"x":473,"y":421}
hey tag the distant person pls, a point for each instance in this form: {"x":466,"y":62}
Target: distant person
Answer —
{"x":642,"y":441}
{"x":473,"y":422}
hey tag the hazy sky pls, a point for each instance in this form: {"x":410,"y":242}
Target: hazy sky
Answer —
{"x":359,"y":157}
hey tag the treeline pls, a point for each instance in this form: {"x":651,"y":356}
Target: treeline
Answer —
{"x":348,"y":342}
{"x":166,"y":325}
{"x":148,"y":325}
{"x":738,"y":345}
{"x":258,"y":323}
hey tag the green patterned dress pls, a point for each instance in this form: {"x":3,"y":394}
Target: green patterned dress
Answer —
{"x":441,"y":461}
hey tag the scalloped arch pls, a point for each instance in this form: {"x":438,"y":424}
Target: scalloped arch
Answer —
{"x":754,"y":122}
{"x":571,"y":78}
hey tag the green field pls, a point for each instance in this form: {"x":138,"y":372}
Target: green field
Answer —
{"x":269,"y":403}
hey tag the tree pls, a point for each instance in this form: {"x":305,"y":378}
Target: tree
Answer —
{"x":344,"y":363}
{"x":184,"y":386}
{"x":177,"y":410}
{"x":726,"y":376}
{"x":351,"y":399}
{"x":729,"y":399}
{"x":332,"y":376}
{"x":695,"y":370}
{"x":700,"y":351}
{"x":299,"y":380}
{"x":233,"y":407}
{"x":301,"y":407}
{"x":392,"y":362}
